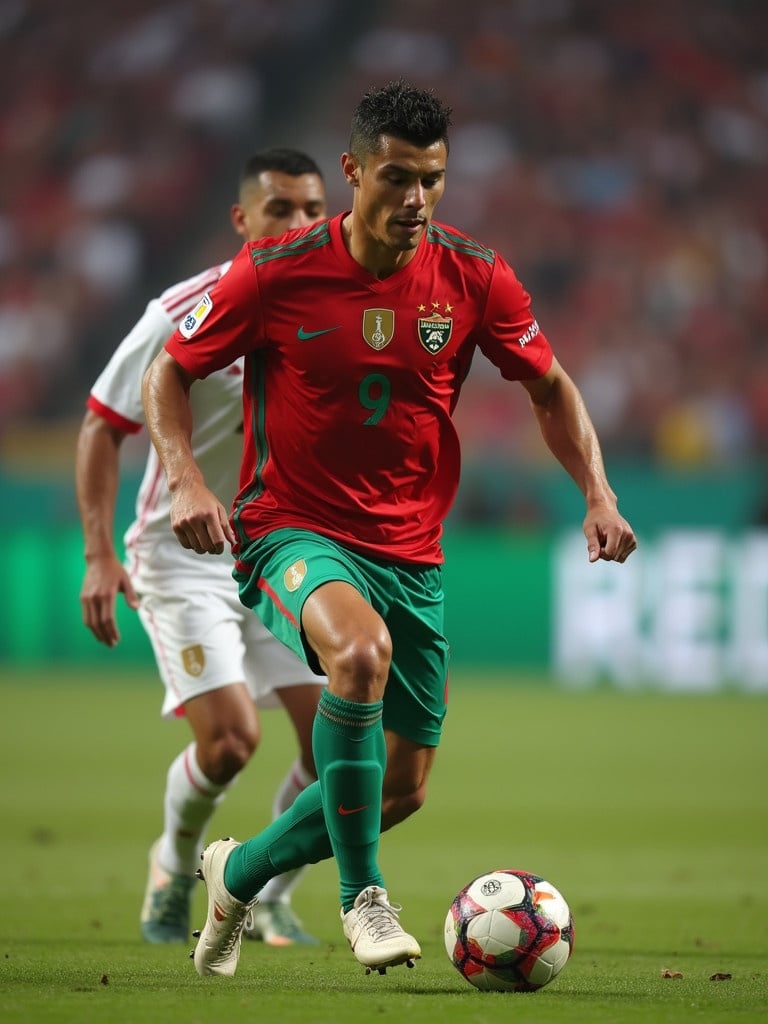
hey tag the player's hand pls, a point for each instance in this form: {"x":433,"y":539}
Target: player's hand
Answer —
{"x":610,"y":538}
{"x":199,"y":520}
{"x":105,"y":578}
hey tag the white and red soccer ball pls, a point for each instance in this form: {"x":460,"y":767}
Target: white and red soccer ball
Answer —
{"x":509,"y":931}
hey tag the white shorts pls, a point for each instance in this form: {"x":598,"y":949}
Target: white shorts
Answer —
{"x":204,"y":638}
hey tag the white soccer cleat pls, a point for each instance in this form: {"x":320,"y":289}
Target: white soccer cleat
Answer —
{"x":218,"y":948}
{"x":375,"y":934}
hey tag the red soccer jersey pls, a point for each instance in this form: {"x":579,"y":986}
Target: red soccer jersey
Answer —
{"x":351,"y":381}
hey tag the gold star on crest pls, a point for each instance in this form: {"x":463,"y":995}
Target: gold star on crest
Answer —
{"x":422,"y":307}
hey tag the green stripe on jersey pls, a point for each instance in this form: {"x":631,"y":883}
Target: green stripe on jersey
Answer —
{"x":319,"y":235}
{"x":258,"y":428}
{"x":459,"y":243}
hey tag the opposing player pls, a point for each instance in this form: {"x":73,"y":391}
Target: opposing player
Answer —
{"x":358,"y":334}
{"x":216,"y":659}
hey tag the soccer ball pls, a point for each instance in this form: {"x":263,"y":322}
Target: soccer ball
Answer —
{"x":509,"y":931}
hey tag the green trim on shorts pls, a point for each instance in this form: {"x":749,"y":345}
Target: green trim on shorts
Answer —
{"x":277,"y":573}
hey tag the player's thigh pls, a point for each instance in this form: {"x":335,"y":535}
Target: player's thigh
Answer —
{"x":350,"y":639}
{"x":278,"y":575}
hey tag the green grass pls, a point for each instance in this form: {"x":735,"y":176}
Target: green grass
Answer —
{"x":648,"y":812}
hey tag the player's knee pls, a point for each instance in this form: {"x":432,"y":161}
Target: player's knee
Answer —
{"x":360,"y":669}
{"x":398,"y":807}
{"x":225,"y":755}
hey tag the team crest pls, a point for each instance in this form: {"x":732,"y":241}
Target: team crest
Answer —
{"x":294,"y":575}
{"x":378,"y":327}
{"x":193,"y":659}
{"x":435,"y":331}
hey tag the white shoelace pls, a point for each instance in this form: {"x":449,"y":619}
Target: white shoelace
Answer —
{"x":243,"y":920}
{"x":379,"y":918}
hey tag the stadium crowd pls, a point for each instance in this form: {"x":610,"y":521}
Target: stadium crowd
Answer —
{"x":615,"y":153}
{"x":116,"y":126}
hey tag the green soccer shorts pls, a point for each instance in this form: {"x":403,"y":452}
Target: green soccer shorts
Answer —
{"x":275,"y":575}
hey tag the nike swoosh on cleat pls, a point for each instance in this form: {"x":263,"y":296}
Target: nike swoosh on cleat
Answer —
{"x":352,"y":810}
{"x":303,"y":335}
{"x":218,"y":913}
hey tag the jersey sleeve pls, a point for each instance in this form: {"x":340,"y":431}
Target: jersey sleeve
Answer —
{"x":510,"y":335}
{"x":225,"y":324}
{"x":116,"y":394}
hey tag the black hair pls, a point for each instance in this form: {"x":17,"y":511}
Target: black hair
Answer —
{"x":402,"y":110}
{"x":282,"y":159}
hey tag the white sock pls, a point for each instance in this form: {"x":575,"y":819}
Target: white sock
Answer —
{"x":297,"y":780}
{"x":279,"y":889}
{"x":190,"y":800}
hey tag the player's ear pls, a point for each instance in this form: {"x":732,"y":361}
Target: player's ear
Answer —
{"x":237,"y":217}
{"x":350,"y":169}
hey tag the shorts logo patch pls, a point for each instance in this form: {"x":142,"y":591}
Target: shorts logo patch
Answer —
{"x":294,"y":575}
{"x":195,"y":317}
{"x":193,"y":659}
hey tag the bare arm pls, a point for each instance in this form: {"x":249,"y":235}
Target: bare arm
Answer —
{"x":198,"y":518}
{"x":568,"y":430}
{"x":97,"y":470}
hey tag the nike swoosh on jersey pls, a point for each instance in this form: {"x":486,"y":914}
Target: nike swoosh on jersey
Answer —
{"x":352,"y":810}
{"x":303,"y":335}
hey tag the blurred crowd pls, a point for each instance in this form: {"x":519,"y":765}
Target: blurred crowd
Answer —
{"x":116,"y":121}
{"x":615,"y":152}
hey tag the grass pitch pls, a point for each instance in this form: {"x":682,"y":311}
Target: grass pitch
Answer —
{"x":648,"y":812}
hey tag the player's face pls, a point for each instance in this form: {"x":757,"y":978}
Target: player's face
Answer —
{"x":276,"y":202}
{"x":397,"y":190}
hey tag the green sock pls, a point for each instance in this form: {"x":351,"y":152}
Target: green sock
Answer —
{"x":298,"y":837}
{"x":349,"y":741}
{"x":350,"y":755}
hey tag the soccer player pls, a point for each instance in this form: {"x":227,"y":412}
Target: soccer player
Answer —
{"x":357,"y":335}
{"x":215,"y":657}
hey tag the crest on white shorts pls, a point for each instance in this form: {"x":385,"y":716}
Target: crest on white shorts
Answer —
{"x":294,"y":575}
{"x":193,"y":659}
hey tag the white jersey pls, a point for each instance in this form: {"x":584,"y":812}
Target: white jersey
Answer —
{"x":202,"y":636}
{"x":217,"y":412}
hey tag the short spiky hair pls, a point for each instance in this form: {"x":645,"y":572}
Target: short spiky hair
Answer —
{"x":399,"y":109}
{"x":282,"y":159}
